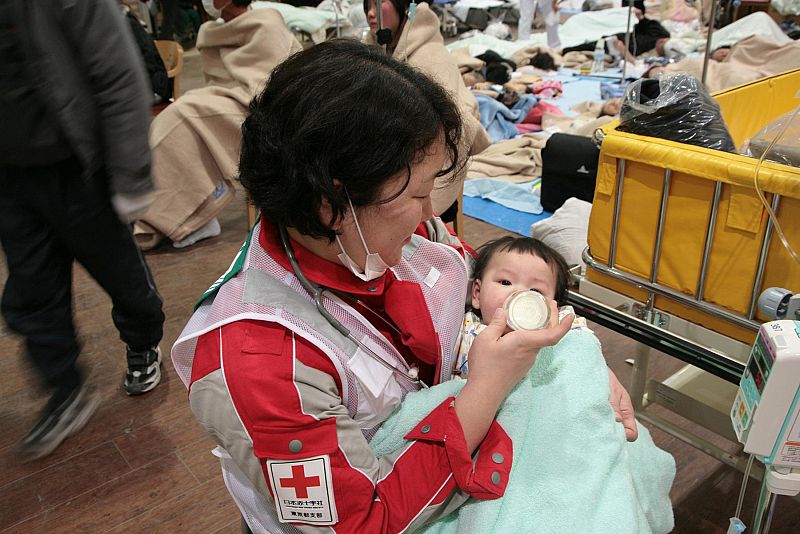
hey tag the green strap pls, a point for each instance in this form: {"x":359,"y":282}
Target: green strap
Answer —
{"x":233,"y":270}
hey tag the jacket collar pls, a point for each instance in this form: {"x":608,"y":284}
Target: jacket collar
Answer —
{"x":320,"y":271}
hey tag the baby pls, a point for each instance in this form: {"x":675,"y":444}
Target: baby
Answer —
{"x":573,"y":469}
{"x":506,"y":265}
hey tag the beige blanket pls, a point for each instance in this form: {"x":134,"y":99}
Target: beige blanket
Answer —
{"x":195,"y":140}
{"x":589,"y":118}
{"x":574,"y":60}
{"x":751,"y":59}
{"x":513,"y":160}
{"x":464,"y":61}
{"x":422,"y":46}
{"x":523,"y":56}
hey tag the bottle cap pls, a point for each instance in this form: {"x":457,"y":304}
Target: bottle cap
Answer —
{"x":526,"y":310}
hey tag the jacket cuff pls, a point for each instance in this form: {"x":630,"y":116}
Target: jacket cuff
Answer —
{"x":487,"y":477}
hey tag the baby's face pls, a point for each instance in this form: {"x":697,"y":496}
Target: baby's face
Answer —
{"x":506,"y":273}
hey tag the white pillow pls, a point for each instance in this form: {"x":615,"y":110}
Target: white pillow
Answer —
{"x":566,"y":230}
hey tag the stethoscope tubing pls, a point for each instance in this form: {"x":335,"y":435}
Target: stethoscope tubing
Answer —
{"x":317,"y":292}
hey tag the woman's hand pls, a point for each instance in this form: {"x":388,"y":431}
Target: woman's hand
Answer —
{"x":501,"y":360}
{"x":622,"y":406}
{"x":497,"y":361}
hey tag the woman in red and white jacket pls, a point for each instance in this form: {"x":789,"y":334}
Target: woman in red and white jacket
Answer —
{"x":340,"y":153}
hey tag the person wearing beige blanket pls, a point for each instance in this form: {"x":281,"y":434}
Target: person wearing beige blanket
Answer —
{"x":418,"y":42}
{"x":749,"y":60}
{"x":195,"y":140}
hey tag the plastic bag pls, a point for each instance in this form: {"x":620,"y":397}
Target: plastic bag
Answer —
{"x":499,"y":30}
{"x":787,"y":149}
{"x":676,"y":107}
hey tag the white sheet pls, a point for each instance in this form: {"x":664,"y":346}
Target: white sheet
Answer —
{"x":309,"y":20}
{"x":578,"y":29}
{"x":758,"y":23}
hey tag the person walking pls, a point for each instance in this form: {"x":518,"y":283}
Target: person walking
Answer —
{"x":74,"y":170}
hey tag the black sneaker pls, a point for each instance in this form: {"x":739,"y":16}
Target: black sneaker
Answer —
{"x":144,"y":370}
{"x":59,"y":420}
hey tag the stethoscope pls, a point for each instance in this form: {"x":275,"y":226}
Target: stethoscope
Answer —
{"x":317,"y":291}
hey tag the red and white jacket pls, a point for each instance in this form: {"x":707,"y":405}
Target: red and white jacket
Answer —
{"x":292,"y":403}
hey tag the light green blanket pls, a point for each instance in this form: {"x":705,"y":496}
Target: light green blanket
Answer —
{"x":573,"y":469}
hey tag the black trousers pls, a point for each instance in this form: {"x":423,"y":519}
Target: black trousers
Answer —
{"x":49,"y":217}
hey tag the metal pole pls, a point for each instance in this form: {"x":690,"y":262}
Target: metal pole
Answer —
{"x":379,"y":19}
{"x":707,"y":57}
{"x":662,"y":216}
{"x":764,"y":501}
{"x":627,"y":42}
{"x":712,"y":224}
{"x":335,"y":4}
{"x":762,"y":259}
{"x":768,"y":522}
{"x":617,"y":205}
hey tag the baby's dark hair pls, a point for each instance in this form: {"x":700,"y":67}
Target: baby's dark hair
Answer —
{"x":526,"y":245}
{"x":544,"y":61}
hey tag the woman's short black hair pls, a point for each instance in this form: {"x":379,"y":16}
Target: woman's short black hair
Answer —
{"x":343,"y":111}
{"x":526,"y":245}
{"x":242,"y":3}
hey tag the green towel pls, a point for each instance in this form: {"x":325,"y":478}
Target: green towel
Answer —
{"x":573,"y":469}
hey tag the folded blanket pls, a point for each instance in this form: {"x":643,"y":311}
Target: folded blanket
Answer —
{"x":513,"y":160}
{"x":573,"y":469}
{"x":520,"y":197}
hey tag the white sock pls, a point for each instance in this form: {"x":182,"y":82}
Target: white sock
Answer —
{"x":210,"y":229}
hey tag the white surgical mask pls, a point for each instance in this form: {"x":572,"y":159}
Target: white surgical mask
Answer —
{"x":374,"y":266}
{"x":212,"y":11}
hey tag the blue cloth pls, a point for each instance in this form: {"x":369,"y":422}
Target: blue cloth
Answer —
{"x":573,"y":469}
{"x":493,"y":213}
{"x":576,"y":90}
{"x":500,"y":121}
{"x":520,"y":197}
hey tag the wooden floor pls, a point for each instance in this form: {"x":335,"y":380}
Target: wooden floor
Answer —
{"x":144,"y":465}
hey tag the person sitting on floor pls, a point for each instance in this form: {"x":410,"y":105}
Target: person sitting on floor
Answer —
{"x":195,"y":140}
{"x":413,"y":37}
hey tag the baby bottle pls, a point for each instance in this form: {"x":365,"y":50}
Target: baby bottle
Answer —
{"x":527,"y":310}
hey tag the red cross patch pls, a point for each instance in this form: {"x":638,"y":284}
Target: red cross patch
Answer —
{"x":303,"y":490}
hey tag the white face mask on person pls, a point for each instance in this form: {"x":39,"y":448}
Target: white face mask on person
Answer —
{"x":212,"y":11}
{"x":374,"y":266}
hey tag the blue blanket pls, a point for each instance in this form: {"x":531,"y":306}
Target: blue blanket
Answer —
{"x":573,"y":469}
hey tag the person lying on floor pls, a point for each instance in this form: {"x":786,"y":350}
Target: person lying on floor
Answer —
{"x":648,"y":35}
{"x":195,"y":140}
{"x":751,"y":59}
{"x":573,"y":469}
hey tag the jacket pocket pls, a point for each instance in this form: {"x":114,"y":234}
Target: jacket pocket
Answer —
{"x":287,"y":443}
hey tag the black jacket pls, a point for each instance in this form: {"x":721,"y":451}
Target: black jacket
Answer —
{"x":87,"y":72}
{"x":156,"y":71}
